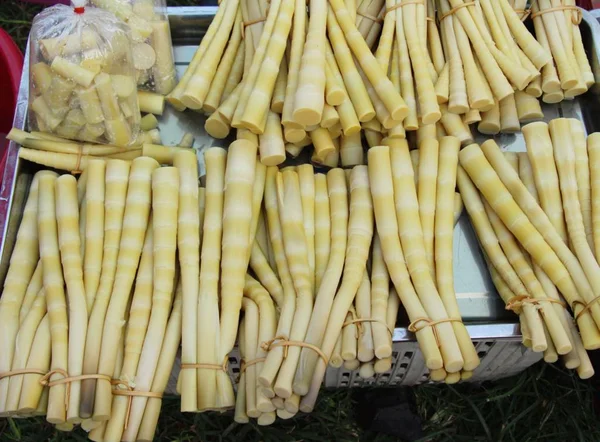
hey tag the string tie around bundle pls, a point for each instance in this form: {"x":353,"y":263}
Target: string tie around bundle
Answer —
{"x":413,"y":326}
{"x":22,"y":371}
{"x":282,"y":341}
{"x":244,"y":365}
{"x":66,"y":379}
{"x":369,"y":16}
{"x":575,"y":18}
{"x":453,"y":10}
{"x":359,"y":322}
{"x":404,"y":3}
{"x":130,"y":393}
{"x":77,"y":170}
{"x":245,"y":24}
{"x":523,"y":13}
{"x":46,"y":375}
{"x":516,"y":302}
{"x":586,"y":306}
{"x":223,"y":367}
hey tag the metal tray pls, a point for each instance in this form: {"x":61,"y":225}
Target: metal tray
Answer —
{"x":494,"y":330}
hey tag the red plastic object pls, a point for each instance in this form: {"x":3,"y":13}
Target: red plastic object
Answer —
{"x":11,"y":65}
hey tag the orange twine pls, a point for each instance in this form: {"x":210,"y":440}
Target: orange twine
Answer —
{"x":250,"y":23}
{"x":404,"y":3}
{"x":516,"y":302}
{"x":281,"y":341}
{"x":523,"y":13}
{"x":66,"y":379}
{"x":369,"y":16}
{"x":23,"y":371}
{"x":575,"y":18}
{"x":453,"y":10}
{"x":77,"y":169}
{"x":359,"y":321}
{"x":586,"y":307}
{"x":429,"y":323}
{"x":244,"y":365}
{"x":222,"y":367}
{"x":131,"y":393}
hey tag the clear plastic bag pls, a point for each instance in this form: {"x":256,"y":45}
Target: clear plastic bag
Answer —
{"x":152,"y":47}
{"x":82,"y":83}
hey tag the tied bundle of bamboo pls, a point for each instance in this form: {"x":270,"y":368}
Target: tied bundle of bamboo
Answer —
{"x":546,"y":190}
{"x":104,"y":363}
{"x":257,"y":326}
{"x":365,"y":342}
{"x":569,"y":74}
{"x":315,"y":91}
{"x":492,"y":74}
{"x":64,"y":154}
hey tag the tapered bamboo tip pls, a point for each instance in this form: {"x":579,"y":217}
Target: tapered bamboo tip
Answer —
{"x":383,"y":351}
{"x":589,"y":333}
{"x":176,"y":103}
{"x":400,"y":113}
{"x":437,"y":375}
{"x":305,"y":408}
{"x":284,"y":414}
{"x":452,"y":378}
{"x":579,"y":89}
{"x":488,"y":127}
{"x":266,"y":419}
{"x":272,"y":160}
{"x":431,"y":117}
{"x":307,"y":117}
{"x":483,"y":104}
{"x":454,"y":365}
{"x":335,"y":97}
{"x":283,"y":392}
{"x":553,"y":97}
{"x":294,"y":135}
{"x":266,"y":407}
{"x":291,"y":406}
{"x":383,"y":365}
{"x":216,"y":127}
{"x":466,"y":375}
{"x":564,"y":348}
{"x":586,"y":374}
{"x":366,"y":371}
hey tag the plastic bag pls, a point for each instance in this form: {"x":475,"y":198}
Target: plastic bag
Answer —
{"x":152,"y":48}
{"x":82,"y":83}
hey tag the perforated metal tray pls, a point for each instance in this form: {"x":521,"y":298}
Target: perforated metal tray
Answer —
{"x":494,"y":330}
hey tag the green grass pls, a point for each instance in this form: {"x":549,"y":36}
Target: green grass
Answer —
{"x":544,"y":403}
{"x":15,"y":18}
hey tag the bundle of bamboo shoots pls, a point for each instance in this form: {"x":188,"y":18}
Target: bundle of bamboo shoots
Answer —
{"x":378,"y":67}
{"x":316,"y":91}
{"x":86,"y":340}
{"x":493,"y":65}
{"x":63,"y":154}
{"x":556,"y":24}
{"x":544,"y":262}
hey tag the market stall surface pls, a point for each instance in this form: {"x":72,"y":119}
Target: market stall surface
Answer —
{"x":543,"y":403}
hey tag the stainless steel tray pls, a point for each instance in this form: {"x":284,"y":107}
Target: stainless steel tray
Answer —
{"x":493,"y":329}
